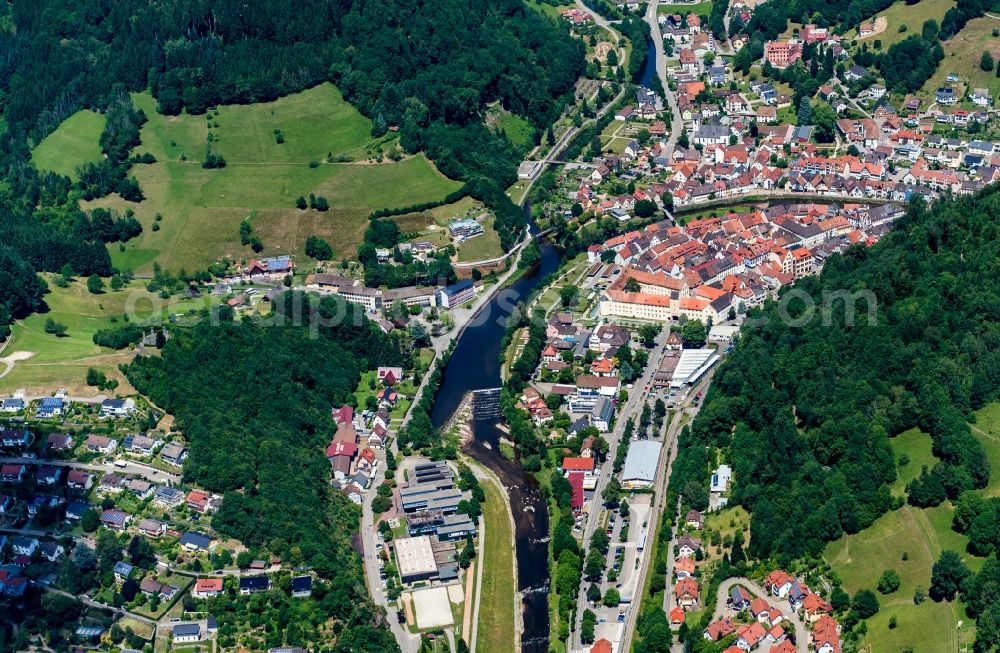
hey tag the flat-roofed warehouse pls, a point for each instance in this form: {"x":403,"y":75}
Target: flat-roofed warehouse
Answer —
{"x":415,"y":559}
{"x":639,"y":470}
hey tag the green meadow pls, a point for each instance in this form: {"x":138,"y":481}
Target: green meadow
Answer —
{"x":919,"y":535}
{"x":62,"y":362}
{"x":326,"y":150}
{"x":76,"y":141}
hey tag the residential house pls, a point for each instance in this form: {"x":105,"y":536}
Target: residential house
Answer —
{"x":59,"y":442}
{"x":79,"y":479}
{"x":12,"y":405}
{"x":686,"y":593}
{"x":10,"y":473}
{"x":118,"y":407}
{"x":174,"y":453}
{"x":687,"y":546}
{"x":198,"y":500}
{"x":206,"y":588}
{"x":24,"y":546}
{"x":15,"y":438}
{"x":254,"y":584}
{"x":115,"y":519}
{"x":101,"y":444}
{"x":302,"y":586}
{"x":152,"y":527}
{"x":50,"y":407}
{"x":169,"y":497}
{"x":186,"y":633}
{"x":194,"y":541}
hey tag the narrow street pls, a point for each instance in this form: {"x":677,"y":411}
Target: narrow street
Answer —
{"x":801,"y":636}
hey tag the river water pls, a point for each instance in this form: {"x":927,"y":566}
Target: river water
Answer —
{"x":475,"y":365}
{"x":649,"y":69}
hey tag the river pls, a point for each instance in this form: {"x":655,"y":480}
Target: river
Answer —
{"x":475,"y":365}
{"x":649,"y":67}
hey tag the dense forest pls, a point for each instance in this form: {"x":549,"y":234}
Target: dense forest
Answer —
{"x":804,"y":407}
{"x":394,"y":62}
{"x":254,"y":402}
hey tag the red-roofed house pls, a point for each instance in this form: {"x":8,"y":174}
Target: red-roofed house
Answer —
{"x":779,"y":582}
{"x":206,"y":588}
{"x":719,"y":629}
{"x":686,"y":593}
{"x":578,"y":465}
{"x":198,"y":500}
{"x":750,"y":636}
{"x":601,"y":646}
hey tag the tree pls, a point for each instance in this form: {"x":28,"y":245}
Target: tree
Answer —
{"x":301,"y":203}
{"x":94,"y":285}
{"x":839,"y":599}
{"x":141,"y":553}
{"x":694,"y":333}
{"x":645,"y":208}
{"x":865,"y":603}
{"x":55,"y":328}
{"x":632,"y":285}
{"x":318,"y":248}
{"x":90,"y":521}
{"x":594,"y":593}
{"x":947,"y":576}
{"x":568,"y":294}
{"x":612,"y":598}
{"x":888,"y":582}
{"x":986,"y":62}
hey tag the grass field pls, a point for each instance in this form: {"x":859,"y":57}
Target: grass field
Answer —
{"x":860,"y":559}
{"x":912,"y":16}
{"x":518,"y":130}
{"x":922,"y":534}
{"x":917,"y":447}
{"x":202,"y":209}
{"x":703,"y":9}
{"x":550,"y":10}
{"x":496,"y":604}
{"x":432,"y":224}
{"x":961,"y":57}
{"x":73,"y":143}
{"x":987,"y":431}
{"x":63,"y":362}
{"x":482,"y":247}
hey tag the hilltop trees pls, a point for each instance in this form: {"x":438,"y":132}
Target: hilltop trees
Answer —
{"x":814,"y":454}
{"x":261,"y":444}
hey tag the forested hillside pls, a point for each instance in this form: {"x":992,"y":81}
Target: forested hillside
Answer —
{"x":427,"y":68}
{"x":254,"y":403}
{"x":803,"y":413}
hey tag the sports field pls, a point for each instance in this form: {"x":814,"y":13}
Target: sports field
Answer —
{"x":202,"y":209}
{"x":76,"y":141}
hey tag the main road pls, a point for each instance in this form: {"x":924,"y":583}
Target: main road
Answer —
{"x":676,"y":122}
{"x":688,"y":409}
{"x":638,"y":396}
